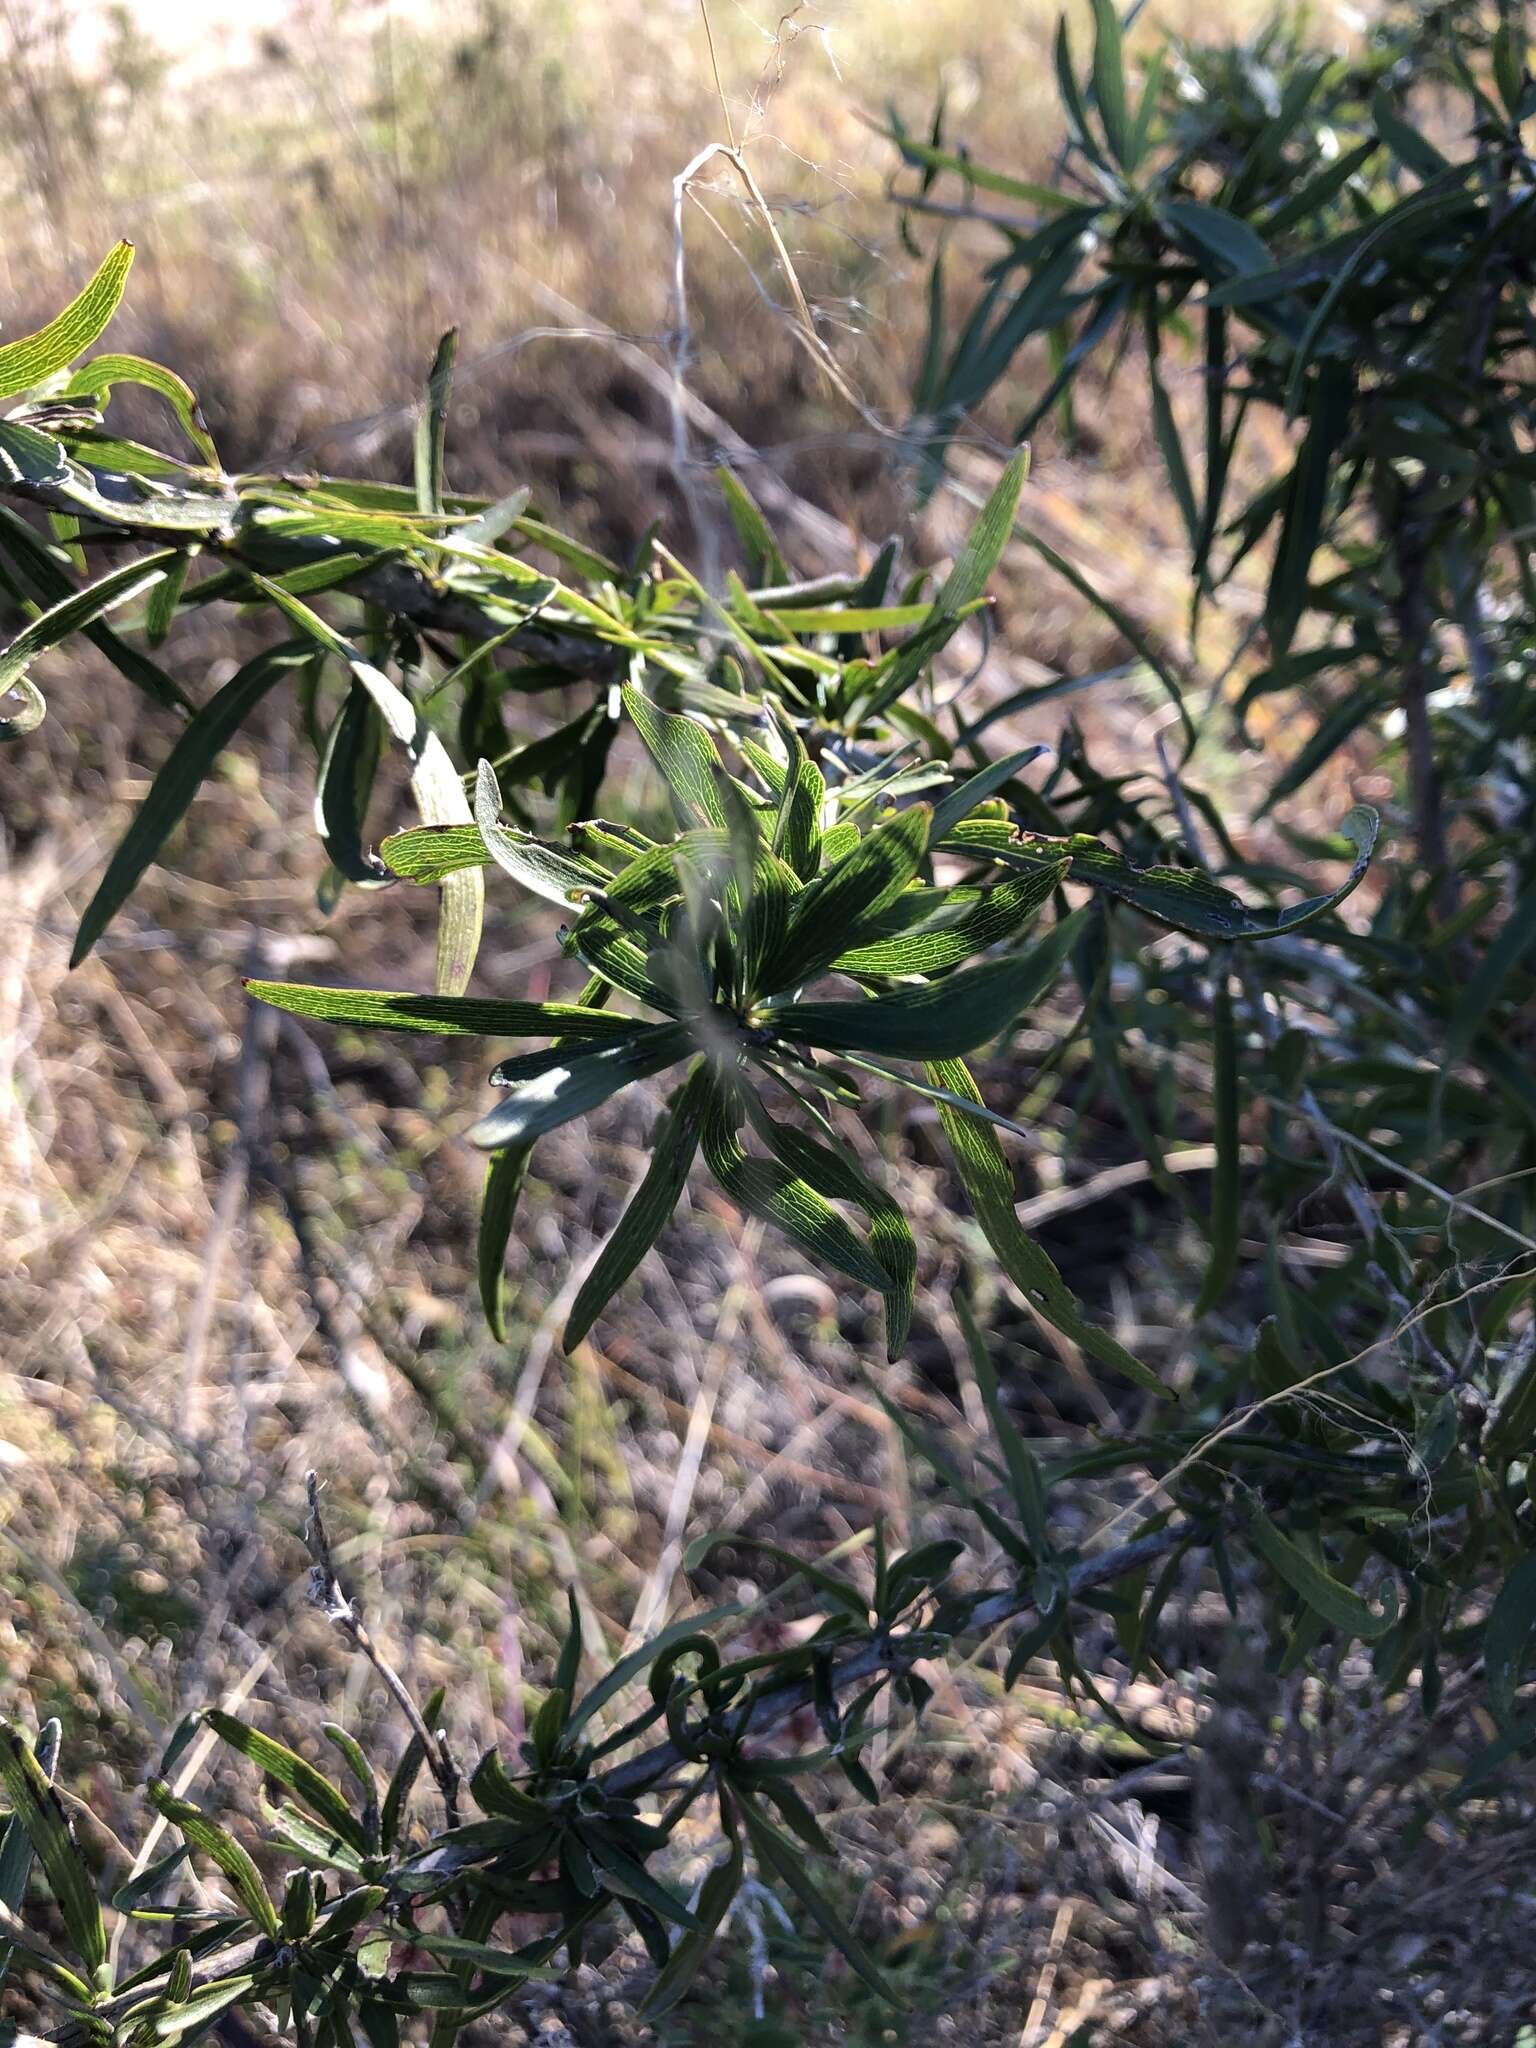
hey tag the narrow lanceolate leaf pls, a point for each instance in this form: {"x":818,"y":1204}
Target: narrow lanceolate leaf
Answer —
{"x":969,"y":921}
{"x":202,"y":2008}
{"x":40,"y":1811}
{"x":1185,"y":898}
{"x":830,"y":1170}
{"x":406,"y":1772}
{"x":97,"y":377}
{"x":478,"y":1955}
{"x":429,"y":852}
{"x":222,"y":1849}
{"x":435,"y":784}
{"x":549,"y":871}
{"x":290,"y":1770}
{"x":978,"y":175}
{"x":70,"y":615}
{"x":1509,"y":1640}
{"x":786,"y":1861}
{"x":628,"y":1877}
{"x":35,"y":357}
{"x":964,"y":586}
{"x":772,"y":1192}
{"x":715,"y":1896}
{"x":1516,"y":940}
{"x":1109,"y":81}
{"x":673,"y":1146}
{"x":989,"y":1183}
{"x":1306,"y":500}
{"x":827,"y":915}
{"x":959,"y":802}
{"x":797,"y":828}
{"x":46,"y":572}
{"x":764,"y":561}
{"x":432,"y":426}
{"x":1026,"y":1481}
{"x":685,"y":754}
{"x":349,"y":766}
{"x":1225,"y":1182}
{"x":16,"y":1843}
{"x":1324,"y":1594}
{"x":504,"y":1179}
{"x":940,"y":1019}
{"x":452,"y":1016}
{"x":581,"y":1085}
{"x":171,"y":793}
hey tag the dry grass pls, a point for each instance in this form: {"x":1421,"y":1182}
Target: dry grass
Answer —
{"x":235,"y":1252}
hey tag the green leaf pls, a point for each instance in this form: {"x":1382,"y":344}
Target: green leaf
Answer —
{"x":432,"y":425}
{"x":716,"y":1894}
{"x":940,"y":1019}
{"x":778,"y":1855}
{"x":61,"y":621}
{"x":478,"y":1955}
{"x":1508,"y":952}
{"x":1232,"y":248}
{"x":640,"y":1661}
{"x":429,"y":852}
{"x":629,"y":1878}
{"x":202,"y":2008}
{"x":160,"y":611}
{"x":1226,"y":1181}
{"x":828,"y":914}
{"x":769,"y":1190}
{"x":1336,"y":1603}
{"x":989,"y":1183}
{"x":1165,"y":432}
{"x":673,"y":1146}
{"x":1187,"y":899}
{"x":1509,"y":1641}
{"x":959,"y":803}
{"x":450,"y":1016}
{"x":291,"y":1771}
{"x":349,"y":763}
{"x":36,"y":357}
{"x":966,"y":582}
{"x":40,"y":1811}
{"x":797,"y":826}
{"x":685,"y":754}
{"x":830,"y":1169}
{"x":16,"y":1843}
{"x":978,"y":175}
{"x":435,"y":785}
{"x":1415,"y":152}
{"x":46,"y":572}
{"x":1026,"y":1481}
{"x":764,"y":562}
{"x":405,"y":1774}
{"x":1109,"y":81}
{"x":222,"y":1849}
{"x":504,"y":1179}
{"x":171,"y":793}
{"x":973,"y":919}
{"x":549,"y":871}
{"x":579,"y":1086}
{"x":97,"y":377}
{"x":1306,"y":499}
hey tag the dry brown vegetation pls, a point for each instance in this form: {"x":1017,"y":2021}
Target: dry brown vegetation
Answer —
{"x":233,"y":1253}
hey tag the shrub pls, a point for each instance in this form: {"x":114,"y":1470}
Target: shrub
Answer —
{"x":1353,"y":1456}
